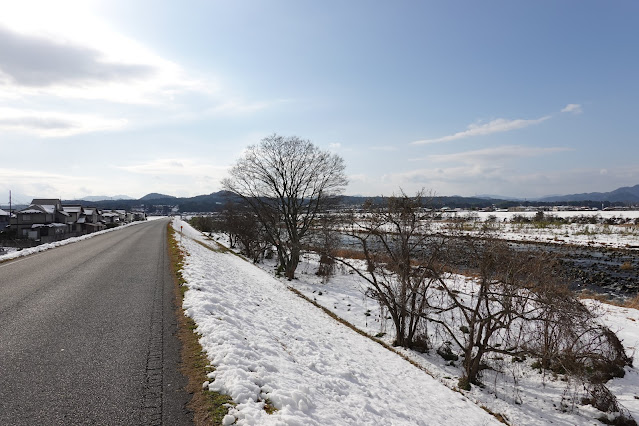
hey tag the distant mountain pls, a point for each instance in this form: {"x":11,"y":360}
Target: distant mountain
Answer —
{"x":156,"y":196}
{"x":626,"y":194}
{"x":216,"y":201}
{"x":499,"y":197}
{"x":105,"y":197}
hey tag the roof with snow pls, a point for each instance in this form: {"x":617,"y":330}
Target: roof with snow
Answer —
{"x":4,"y":213}
{"x":48,"y":225}
{"x":34,"y":209}
{"x":46,"y":201}
{"x":72,"y":209}
{"x":49,"y":208}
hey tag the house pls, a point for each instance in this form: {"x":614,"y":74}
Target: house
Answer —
{"x":92,"y":219}
{"x":77,"y":218}
{"x":138,"y":216}
{"x":124,"y":216}
{"x":4,"y":219}
{"x":110,"y":218}
{"x":44,"y":220}
{"x":47,"y":220}
{"x":55,"y":205}
{"x":74,"y":211}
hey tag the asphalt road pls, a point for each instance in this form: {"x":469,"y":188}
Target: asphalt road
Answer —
{"x":87,"y":334}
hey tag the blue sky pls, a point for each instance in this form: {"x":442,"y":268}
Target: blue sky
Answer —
{"x":515,"y":98}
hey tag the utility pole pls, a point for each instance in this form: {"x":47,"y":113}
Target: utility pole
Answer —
{"x":10,"y":213}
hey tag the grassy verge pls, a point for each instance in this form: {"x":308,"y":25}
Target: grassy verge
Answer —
{"x":209,"y":408}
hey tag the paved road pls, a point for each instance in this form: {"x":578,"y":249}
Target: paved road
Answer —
{"x":87,"y":334}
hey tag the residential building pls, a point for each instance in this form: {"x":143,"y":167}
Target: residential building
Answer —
{"x":47,"y":220}
{"x":4,"y":219}
{"x":44,"y":220}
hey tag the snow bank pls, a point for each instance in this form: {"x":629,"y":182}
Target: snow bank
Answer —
{"x":270,"y":346}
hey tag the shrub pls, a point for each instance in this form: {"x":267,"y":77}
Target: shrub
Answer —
{"x":447,"y":353}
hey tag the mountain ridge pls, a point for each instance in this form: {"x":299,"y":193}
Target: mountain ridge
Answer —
{"x":626,"y":194}
{"x":217,"y":200}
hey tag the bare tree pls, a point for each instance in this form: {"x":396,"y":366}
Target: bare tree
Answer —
{"x":517,"y":305}
{"x":240,"y":224}
{"x":402,"y":260}
{"x":287,"y":181}
{"x":491,"y":314}
{"x":326,"y":245}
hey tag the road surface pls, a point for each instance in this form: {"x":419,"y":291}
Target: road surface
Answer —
{"x":87,"y":334}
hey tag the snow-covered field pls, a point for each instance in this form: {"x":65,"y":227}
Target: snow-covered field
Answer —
{"x":598,"y":235}
{"x":268,"y":344}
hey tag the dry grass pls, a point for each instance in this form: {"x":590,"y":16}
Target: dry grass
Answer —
{"x":209,"y":408}
{"x":626,"y":266}
{"x":350,"y":254}
{"x":632,"y":303}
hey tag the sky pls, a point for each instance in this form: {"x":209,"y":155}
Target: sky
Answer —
{"x":511,"y":98}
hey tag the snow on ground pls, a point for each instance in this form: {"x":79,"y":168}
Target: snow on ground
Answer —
{"x":625,"y":323}
{"x":14,"y":254}
{"x":601,"y":235}
{"x":521,"y":393}
{"x":518,"y":391}
{"x":269,"y":345}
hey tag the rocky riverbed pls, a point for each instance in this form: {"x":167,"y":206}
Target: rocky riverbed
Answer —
{"x":609,"y":271}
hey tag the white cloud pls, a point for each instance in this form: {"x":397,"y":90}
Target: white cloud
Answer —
{"x":37,"y":61}
{"x":66,"y":54}
{"x":469,"y":180}
{"x":387,"y":148}
{"x":496,"y":126}
{"x":175,"y":167}
{"x":496,"y":154}
{"x":239,"y":106}
{"x":39,"y":183}
{"x":183,"y":177}
{"x":574,"y":108}
{"x":179,"y":177}
{"x":55,"y":124}
{"x":42,"y":58}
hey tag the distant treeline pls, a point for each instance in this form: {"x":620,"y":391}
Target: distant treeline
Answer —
{"x":216,"y":201}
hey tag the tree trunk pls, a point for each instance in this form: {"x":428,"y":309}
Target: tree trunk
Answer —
{"x":292,"y":263}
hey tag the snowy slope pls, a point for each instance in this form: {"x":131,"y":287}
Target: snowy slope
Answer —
{"x":625,"y":323}
{"x":516,"y":390}
{"x":269,"y":345}
{"x":523,"y":394}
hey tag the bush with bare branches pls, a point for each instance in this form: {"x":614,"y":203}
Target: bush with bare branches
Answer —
{"x":401,"y":256}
